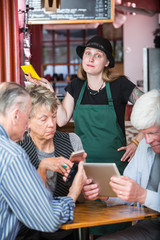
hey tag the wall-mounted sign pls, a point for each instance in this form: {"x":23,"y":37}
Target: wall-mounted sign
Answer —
{"x":72,"y":11}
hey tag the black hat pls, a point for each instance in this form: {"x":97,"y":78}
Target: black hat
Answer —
{"x":99,"y":43}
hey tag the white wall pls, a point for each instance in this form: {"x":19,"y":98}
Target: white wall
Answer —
{"x":137,"y":34}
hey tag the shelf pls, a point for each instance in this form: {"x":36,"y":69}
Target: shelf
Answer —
{"x":63,"y":81}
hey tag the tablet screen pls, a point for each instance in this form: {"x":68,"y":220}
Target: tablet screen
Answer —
{"x":101,"y":174}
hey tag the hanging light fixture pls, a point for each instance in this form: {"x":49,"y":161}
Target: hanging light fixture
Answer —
{"x":50,"y":5}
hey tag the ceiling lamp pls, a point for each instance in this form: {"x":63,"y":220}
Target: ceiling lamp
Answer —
{"x":50,"y":5}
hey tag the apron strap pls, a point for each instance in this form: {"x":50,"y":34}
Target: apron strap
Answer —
{"x":81,"y":94}
{"x":79,"y":99}
{"x":109,"y":95}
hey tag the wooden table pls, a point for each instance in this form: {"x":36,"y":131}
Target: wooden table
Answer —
{"x":93,"y":213}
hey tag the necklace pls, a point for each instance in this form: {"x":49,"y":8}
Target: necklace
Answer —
{"x":93,"y":92}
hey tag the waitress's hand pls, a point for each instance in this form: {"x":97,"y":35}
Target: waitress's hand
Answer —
{"x":130,"y":151}
{"x":43,"y":82}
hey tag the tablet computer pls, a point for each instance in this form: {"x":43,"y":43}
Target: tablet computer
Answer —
{"x":101,"y":174}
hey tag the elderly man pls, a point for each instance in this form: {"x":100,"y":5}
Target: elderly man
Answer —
{"x":23,"y":195}
{"x":141,"y":180}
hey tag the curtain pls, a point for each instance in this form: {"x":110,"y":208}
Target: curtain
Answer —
{"x":9,"y":42}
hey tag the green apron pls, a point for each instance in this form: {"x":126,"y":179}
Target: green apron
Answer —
{"x":101,"y":136}
{"x":99,"y":131}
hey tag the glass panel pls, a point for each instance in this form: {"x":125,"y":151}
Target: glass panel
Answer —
{"x":76,"y":34}
{"x":48,"y":72}
{"x":117,"y":46}
{"x":60,"y":52}
{"x":47,"y":54}
{"x":74,"y":58}
{"x":47,"y":44}
{"x":61,"y":71}
{"x":73,"y":71}
{"x":60,"y":35}
{"x":119,"y":51}
{"x":47,"y":35}
{"x":54,"y":55}
{"x":55,"y":72}
{"x":90,"y":33}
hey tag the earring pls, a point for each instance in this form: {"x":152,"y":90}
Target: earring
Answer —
{"x":27,"y":131}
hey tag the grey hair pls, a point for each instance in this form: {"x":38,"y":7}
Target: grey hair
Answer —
{"x":12,"y":95}
{"x":146,"y":110}
{"x":42,"y":96}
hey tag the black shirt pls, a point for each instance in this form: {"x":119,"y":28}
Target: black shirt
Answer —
{"x":121,"y":89}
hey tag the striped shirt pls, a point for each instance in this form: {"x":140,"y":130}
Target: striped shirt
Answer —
{"x":23,"y":196}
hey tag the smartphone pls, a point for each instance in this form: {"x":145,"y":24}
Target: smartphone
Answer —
{"x":72,"y":174}
{"x":77,"y":156}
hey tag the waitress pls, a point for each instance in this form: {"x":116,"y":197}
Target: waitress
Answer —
{"x":97,"y":100}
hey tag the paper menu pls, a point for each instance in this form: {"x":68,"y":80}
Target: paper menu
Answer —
{"x":30,"y":69}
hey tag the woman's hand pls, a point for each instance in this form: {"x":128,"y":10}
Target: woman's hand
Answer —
{"x":57,"y":164}
{"x":130,"y":151}
{"x":43,"y":82}
{"x":78,"y":183}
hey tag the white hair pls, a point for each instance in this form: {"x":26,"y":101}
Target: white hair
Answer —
{"x":12,"y":95}
{"x":146,"y":110}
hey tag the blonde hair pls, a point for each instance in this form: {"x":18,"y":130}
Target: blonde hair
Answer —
{"x":42,"y":96}
{"x":107,"y":75}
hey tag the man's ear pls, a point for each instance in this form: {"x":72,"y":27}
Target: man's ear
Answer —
{"x":15,"y":116}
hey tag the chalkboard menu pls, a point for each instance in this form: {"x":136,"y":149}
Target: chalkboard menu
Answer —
{"x":72,"y":11}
